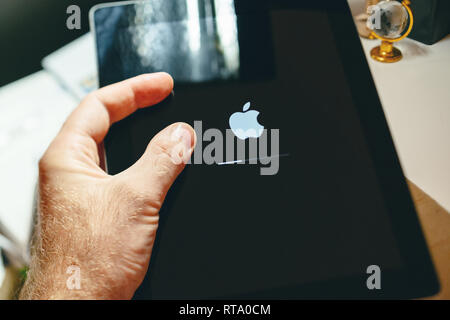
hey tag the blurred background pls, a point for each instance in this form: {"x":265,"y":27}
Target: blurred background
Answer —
{"x":31,"y":30}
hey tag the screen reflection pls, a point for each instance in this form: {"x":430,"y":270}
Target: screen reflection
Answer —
{"x":194,"y":40}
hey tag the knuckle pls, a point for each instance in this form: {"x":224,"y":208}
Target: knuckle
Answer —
{"x":136,"y":201}
{"x":162,"y":146}
{"x":50,"y":161}
{"x":44,"y":163}
{"x":164,"y":159}
{"x":162,"y":165}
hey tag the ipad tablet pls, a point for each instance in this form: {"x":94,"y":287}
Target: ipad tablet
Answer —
{"x":294,"y":189}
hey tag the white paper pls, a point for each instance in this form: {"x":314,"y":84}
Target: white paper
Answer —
{"x":74,"y":66}
{"x":32,"y":111}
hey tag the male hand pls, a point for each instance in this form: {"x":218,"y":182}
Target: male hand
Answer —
{"x":103,"y":226}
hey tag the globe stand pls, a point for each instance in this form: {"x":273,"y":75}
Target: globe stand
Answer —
{"x":386,"y":52}
{"x":371,"y":36}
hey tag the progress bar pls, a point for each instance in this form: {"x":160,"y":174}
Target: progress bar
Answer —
{"x":252,"y":159}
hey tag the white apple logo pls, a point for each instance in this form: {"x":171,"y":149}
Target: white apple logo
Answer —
{"x":245,"y":124}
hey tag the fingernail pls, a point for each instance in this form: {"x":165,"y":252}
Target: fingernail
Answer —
{"x":184,"y":136}
{"x":184,"y":133}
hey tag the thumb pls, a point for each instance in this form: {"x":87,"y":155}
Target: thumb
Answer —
{"x":164,"y":159}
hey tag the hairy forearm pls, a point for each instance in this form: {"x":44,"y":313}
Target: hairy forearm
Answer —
{"x":60,"y":280}
{"x":65,"y":271}
{"x":46,"y":283}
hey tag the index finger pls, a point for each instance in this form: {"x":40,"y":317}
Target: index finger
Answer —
{"x":100,"y":109}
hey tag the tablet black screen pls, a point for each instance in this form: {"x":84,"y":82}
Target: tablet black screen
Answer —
{"x":306,"y":217}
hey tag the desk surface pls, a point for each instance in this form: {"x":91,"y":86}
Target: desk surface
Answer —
{"x":436,"y":225}
{"x":415,"y":94}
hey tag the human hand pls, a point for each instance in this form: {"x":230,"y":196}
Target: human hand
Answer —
{"x":102,"y":225}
